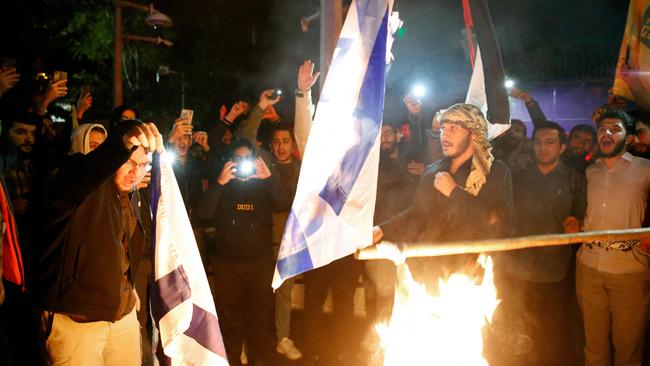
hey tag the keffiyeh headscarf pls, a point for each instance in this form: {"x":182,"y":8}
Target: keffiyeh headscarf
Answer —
{"x":471,"y":118}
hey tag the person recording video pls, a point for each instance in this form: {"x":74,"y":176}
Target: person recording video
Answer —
{"x":239,"y":206}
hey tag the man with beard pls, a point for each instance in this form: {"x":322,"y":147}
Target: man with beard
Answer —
{"x":397,"y":180}
{"x":581,"y":143}
{"x":465,"y":195}
{"x":536,"y":284}
{"x":612,"y":277}
{"x":20,"y":137}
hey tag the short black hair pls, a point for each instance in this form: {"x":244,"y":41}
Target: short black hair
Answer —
{"x":550,"y":125}
{"x":391,"y":125}
{"x":584,"y":128}
{"x":116,"y":114}
{"x":519,"y":122}
{"x":239,"y":143}
{"x":616,"y":113}
{"x":282,"y":126}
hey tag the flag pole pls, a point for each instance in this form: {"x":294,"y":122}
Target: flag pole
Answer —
{"x":499,"y":245}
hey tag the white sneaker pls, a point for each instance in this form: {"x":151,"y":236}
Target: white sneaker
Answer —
{"x":286,"y":347}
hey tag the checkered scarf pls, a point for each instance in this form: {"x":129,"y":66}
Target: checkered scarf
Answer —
{"x":471,"y":118}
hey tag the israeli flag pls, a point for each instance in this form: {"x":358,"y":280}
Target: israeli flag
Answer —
{"x":181,"y":301}
{"x":332,"y":211}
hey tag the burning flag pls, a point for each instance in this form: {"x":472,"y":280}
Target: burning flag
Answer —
{"x":181,"y":301}
{"x":333,"y":208}
{"x":633,"y":67}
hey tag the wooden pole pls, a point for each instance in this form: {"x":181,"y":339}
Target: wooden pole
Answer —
{"x":118,"y":98}
{"x":331,"y":22}
{"x":498,"y":245}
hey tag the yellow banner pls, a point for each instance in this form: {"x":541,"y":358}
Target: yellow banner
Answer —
{"x":633,"y":67}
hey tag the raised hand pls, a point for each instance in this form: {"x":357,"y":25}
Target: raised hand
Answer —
{"x":182,"y":126}
{"x":8,"y":78}
{"x":84,"y":103}
{"x":306,"y":76}
{"x":266,"y":100}
{"x":237,"y":110}
{"x":520,"y":94}
{"x":227,"y":173}
{"x":413,"y":105}
{"x":145,"y":135}
{"x":201,"y":139}
{"x":261,"y":170}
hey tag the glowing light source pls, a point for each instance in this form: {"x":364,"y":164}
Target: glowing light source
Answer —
{"x":509,"y":83}
{"x":445,"y":329}
{"x":167,"y":157}
{"x":245,"y":167}
{"x":418,"y":91}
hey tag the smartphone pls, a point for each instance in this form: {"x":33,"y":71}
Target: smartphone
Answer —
{"x":86,"y":90}
{"x":276,"y":93}
{"x":59,"y":75}
{"x":187,"y":113}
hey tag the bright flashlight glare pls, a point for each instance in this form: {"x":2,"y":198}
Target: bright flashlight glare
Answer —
{"x":167,"y":157}
{"x":246,"y":167}
{"x":418,"y":91}
{"x":509,"y":83}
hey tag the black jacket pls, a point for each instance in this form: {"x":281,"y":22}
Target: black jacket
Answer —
{"x":79,"y":266}
{"x":240,"y":211}
{"x":435,"y":218}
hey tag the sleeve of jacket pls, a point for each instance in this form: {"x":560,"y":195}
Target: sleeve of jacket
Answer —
{"x":536,"y":113}
{"x":82,"y":174}
{"x":405,"y":225}
{"x":281,"y":195}
{"x":247,"y":129}
{"x":303,"y":120}
{"x":207,"y":206}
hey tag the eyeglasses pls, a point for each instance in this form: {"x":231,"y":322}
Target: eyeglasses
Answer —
{"x":142,"y":166}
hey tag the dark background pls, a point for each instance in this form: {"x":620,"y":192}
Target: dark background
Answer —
{"x":232,"y":49}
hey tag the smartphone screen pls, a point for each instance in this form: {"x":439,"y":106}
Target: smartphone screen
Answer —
{"x":59,"y":75}
{"x":187,"y":113}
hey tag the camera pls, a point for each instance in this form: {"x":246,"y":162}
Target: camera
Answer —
{"x":244,"y":167}
{"x":276,"y":93}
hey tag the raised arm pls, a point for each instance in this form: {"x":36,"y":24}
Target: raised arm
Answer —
{"x":304,"y":106}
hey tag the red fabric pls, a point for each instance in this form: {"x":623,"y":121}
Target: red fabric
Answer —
{"x":405,"y":130}
{"x":12,"y":259}
{"x":469,"y":24}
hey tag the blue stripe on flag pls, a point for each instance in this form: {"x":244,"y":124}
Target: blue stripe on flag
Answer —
{"x":168,"y":292}
{"x":300,"y":261}
{"x":367,"y":124}
{"x":204,"y":329}
{"x":154,"y":192}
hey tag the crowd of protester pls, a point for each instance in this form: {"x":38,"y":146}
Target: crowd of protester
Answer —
{"x":76,"y":258}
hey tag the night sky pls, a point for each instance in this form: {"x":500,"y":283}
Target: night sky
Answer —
{"x":232,"y":49}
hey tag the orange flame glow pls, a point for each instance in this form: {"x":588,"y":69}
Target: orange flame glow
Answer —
{"x":439,"y":330}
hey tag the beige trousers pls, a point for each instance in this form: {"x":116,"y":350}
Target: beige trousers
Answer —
{"x":615,"y":314}
{"x":95,"y":343}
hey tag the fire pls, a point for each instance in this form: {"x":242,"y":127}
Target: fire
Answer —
{"x":439,"y":330}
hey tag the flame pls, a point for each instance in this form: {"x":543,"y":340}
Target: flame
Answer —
{"x":446,"y":329}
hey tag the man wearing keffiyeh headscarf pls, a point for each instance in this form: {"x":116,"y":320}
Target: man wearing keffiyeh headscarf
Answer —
{"x":465,"y":195}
